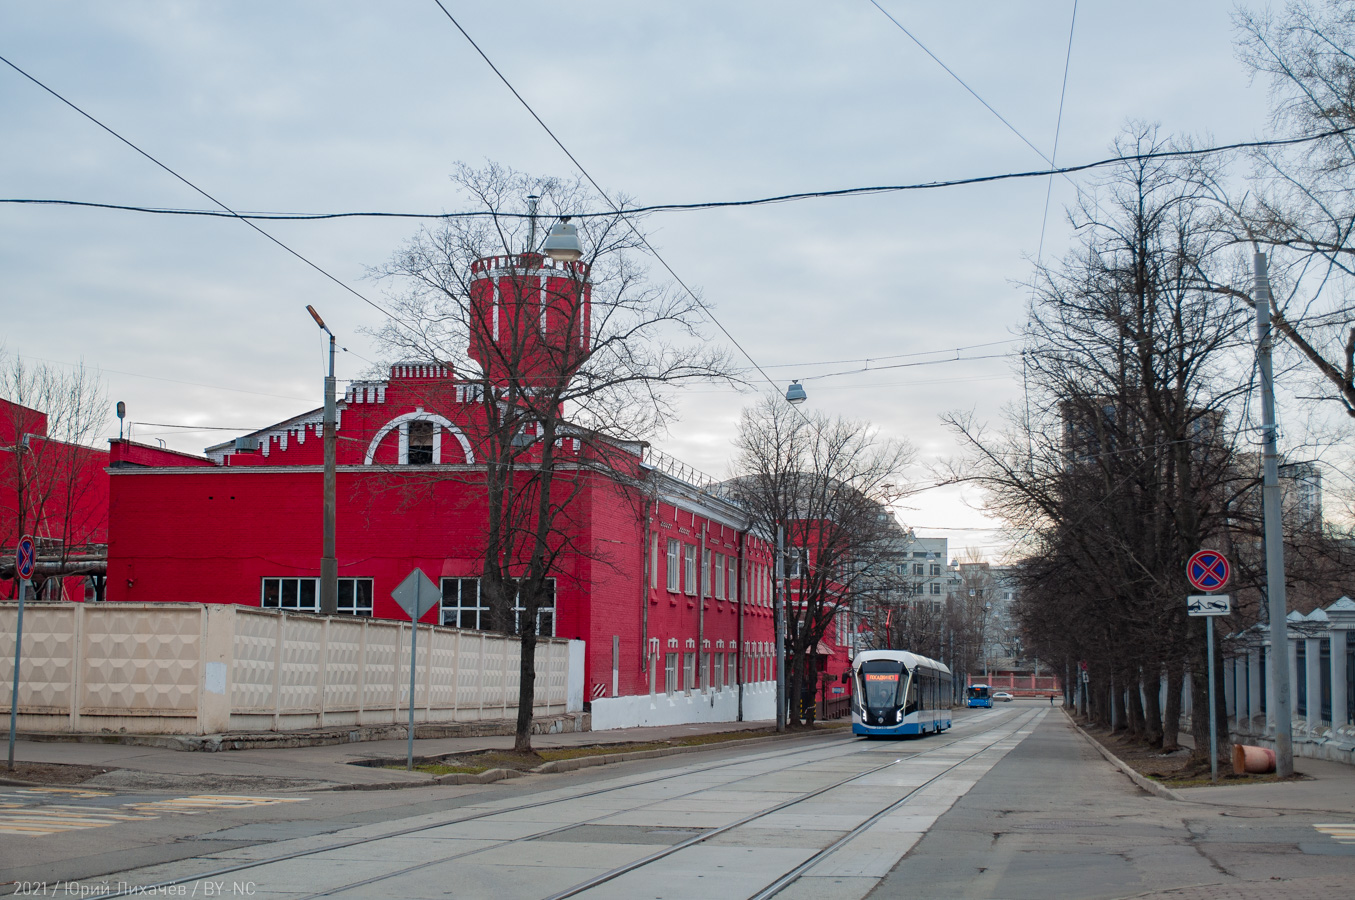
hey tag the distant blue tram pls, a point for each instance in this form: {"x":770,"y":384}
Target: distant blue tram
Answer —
{"x":899,"y":693}
{"x":978,"y":695}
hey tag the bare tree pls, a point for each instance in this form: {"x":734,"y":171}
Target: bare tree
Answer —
{"x":828,"y":484}
{"x":1124,"y":463}
{"x":569,"y":365}
{"x":48,"y":469}
{"x":1302,"y":201}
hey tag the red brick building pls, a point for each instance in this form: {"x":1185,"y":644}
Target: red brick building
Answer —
{"x":57,"y":492}
{"x":664,"y":580}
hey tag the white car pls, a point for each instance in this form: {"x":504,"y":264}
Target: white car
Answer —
{"x":1002,"y":695}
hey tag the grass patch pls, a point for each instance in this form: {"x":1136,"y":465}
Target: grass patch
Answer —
{"x":483,"y":760}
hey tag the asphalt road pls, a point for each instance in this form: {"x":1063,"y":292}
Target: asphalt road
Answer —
{"x":1012,"y":803}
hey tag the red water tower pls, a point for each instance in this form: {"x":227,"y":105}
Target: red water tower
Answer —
{"x":530,"y":318}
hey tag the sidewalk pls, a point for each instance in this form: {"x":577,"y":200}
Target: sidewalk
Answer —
{"x":325,"y":767}
{"x":1329,"y":788}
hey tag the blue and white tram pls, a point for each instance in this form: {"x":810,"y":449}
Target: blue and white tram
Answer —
{"x":898,"y":693}
{"x":978,"y":695}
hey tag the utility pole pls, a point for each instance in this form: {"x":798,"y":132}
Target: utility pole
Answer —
{"x":779,"y":610}
{"x":1274,"y":537}
{"x":329,"y":564}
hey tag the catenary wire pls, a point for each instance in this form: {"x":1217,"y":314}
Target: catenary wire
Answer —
{"x":1058,"y":127}
{"x":228,"y":210}
{"x":627,"y":218}
{"x":1118,"y":159}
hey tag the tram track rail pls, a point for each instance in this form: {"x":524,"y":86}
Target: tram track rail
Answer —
{"x":794,"y":874}
{"x":819,"y":744}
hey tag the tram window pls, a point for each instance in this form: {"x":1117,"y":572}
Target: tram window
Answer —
{"x":911,"y":704}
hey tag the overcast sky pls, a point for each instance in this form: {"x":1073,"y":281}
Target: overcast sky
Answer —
{"x":339,"y":106}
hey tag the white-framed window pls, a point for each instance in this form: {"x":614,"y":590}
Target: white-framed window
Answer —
{"x":936,"y":570}
{"x":303,"y":595}
{"x":420,"y":445}
{"x":688,"y":671}
{"x":654,"y":561}
{"x":718,"y":576}
{"x":919,"y":568}
{"x":793,"y":556}
{"x":674,"y":565}
{"x":733,"y":660}
{"x":733,"y":579}
{"x":705,"y":571}
{"x":670,"y":673}
{"x":461,"y":604}
{"x":463,"y":607}
{"x":719,"y":681}
{"x":689,"y":569}
{"x":936,"y":588}
{"x":355,"y":596}
{"x":545,"y":613}
{"x":705,"y":670}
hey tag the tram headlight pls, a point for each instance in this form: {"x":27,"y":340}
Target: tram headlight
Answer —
{"x":898,"y":716}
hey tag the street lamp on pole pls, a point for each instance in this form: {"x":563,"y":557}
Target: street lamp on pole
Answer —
{"x":329,"y":564}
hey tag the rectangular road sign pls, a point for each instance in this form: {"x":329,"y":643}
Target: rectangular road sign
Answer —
{"x":1209,"y":604}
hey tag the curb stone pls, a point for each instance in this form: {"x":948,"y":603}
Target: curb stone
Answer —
{"x":1147,"y":784}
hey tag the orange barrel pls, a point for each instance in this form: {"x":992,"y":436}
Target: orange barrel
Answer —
{"x":1252,"y":760}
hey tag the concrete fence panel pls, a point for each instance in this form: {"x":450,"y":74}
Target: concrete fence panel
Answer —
{"x":183,"y":668}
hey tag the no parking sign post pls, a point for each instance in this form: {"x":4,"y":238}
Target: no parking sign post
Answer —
{"x":1208,"y":570}
{"x":23,"y":569}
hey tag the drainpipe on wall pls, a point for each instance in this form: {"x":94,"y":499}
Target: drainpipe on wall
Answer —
{"x":742,"y":584}
{"x":702,"y":585}
{"x":646,"y":541}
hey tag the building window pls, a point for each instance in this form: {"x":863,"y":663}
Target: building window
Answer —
{"x":919,"y":568}
{"x":733,"y":660}
{"x":936,"y":570}
{"x":688,"y":671}
{"x":670,"y":673}
{"x":355,"y":596}
{"x":689,"y":569}
{"x":301,"y":594}
{"x":420,"y":443}
{"x":673,"y":566}
{"x":705,"y":572}
{"x":733,"y":581}
{"x":654,"y":562}
{"x":461,"y":604}
{"x":545,"y":613}
{"x":936,"y":588}
{"x":718,"y":576}
{"x":719,"y":682}
{"x":793,"y":562}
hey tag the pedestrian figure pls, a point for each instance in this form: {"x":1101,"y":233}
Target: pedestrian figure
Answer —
{"x":1051,"y":699}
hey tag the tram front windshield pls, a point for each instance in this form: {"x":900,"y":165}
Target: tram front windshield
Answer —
{"x":880,"y":682}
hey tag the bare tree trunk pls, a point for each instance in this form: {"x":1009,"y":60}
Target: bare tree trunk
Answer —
{"x":1134,"y":706}
{"x":1118,"y":717}
{"x":1171,"y":714}
{"x":522,"y":738}
{"x":1151,"y":683}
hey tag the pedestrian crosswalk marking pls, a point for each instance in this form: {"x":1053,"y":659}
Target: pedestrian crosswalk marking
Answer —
{"x":24,"y":818}
{"x":1344,"y":832}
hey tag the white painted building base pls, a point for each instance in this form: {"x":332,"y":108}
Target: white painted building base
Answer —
{"x":759,"y":704}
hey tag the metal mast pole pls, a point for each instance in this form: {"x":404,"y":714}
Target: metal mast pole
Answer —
{"x":1274,"y":537}
{"x":779,"y":608}
{"x":329,"y":565}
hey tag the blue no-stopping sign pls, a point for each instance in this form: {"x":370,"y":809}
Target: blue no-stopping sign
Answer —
{"x":24,"y":557}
